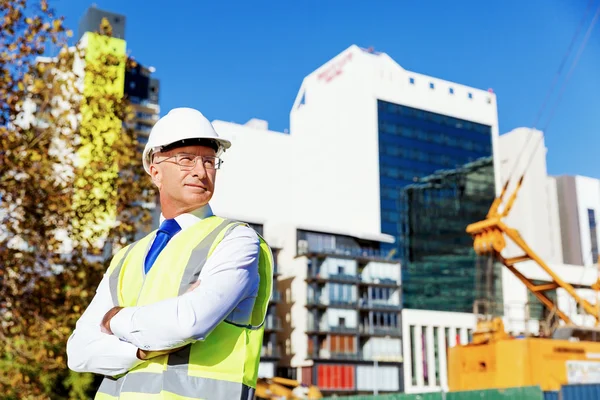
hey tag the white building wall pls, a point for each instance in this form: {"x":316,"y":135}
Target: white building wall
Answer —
{"x":254,"y":182}
{"x":554,"y":234}
{"x":383,"y":349}
{"x":533,"y":205}
{"x":333,"y":315}
{"x":299,"y":314}
{"x":335,"y":132}
{"x":424,"y":323}
{"x":374,"y":271}
{"x":331,"y":266}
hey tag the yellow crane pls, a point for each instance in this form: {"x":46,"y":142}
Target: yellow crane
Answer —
{"x":285,"y":389}
{"x":495,"y":359}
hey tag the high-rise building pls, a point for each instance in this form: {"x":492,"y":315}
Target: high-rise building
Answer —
{"x":91,"y":19}
{"x":336,"y":208}
{"x":142,"y":90}
{"x":140,"y":87}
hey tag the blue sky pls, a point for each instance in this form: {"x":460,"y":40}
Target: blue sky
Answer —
{"x":237,"y":60}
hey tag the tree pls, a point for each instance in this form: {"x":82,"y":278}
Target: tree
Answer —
{"x":70,"y":191}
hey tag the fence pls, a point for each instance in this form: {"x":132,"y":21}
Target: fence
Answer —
{"x":567,"y":392}
{"x":523,"y":393}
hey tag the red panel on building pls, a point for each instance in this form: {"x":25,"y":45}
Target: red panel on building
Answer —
{"x":336,"y":377}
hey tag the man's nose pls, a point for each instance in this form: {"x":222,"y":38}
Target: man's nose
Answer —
{"x":199,"y":170}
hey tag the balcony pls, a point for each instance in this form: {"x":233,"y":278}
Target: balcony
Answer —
{"x":381,"y":330}
{"x":323,"y":302}
{"x":272,"y":323}
{"x":276,"y":296}
{"x":345,"y":356}
{"x":365,"y":304}
{"x":324,"y":277}
{"x":363,"y":254}
{"x":384,"y":282}
{"x":144,"y":103}
{"x":323,"y":327}
{"x":267,"y":352}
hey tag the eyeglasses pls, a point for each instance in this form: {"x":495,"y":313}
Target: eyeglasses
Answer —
{"x":187,"y":162}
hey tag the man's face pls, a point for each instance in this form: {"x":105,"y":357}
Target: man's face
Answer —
{"x":185,"y":189}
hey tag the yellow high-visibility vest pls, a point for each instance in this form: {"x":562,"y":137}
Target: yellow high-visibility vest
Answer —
{"x":224,"y":366}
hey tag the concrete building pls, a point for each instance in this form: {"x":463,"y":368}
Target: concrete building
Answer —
{"x":541,"y":215}
{"x":141,"y":88}
{"x":331,"y":209}
{"x":579,"y":207}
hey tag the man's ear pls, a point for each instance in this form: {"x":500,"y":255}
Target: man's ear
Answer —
{"x":156,"y":175}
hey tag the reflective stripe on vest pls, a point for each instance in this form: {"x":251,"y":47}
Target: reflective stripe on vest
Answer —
{"x":178,"y":382}
{"x":225,"y":364}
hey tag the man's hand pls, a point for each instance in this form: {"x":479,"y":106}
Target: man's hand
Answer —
{"x":105,"y":324}
{"x":194,"y":286}
{"x":146,"y":355}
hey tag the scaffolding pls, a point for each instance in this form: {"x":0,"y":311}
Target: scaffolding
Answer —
{"x":440,"y":270}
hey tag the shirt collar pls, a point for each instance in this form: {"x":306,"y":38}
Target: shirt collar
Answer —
{"x":188,"y":219}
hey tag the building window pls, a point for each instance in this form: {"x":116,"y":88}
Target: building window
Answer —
{"x":341,"y":321}
{"x":413,"y":358}
{"x":470,"y":95}
{"x":593,"y":234}
{"x":431,"y":85}
{"x":436,"y":354}
{"x":411,"y":80}
{"x":451,"y":90}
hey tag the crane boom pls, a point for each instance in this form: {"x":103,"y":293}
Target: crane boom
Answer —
{"x":489,"y":238}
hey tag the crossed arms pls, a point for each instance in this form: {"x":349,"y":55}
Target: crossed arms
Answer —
{"x":229,"y":287}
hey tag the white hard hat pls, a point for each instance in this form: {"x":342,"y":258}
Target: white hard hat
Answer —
{"x":181,"y":125}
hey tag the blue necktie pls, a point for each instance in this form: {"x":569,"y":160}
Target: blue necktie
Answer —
{"x":167,"y":230}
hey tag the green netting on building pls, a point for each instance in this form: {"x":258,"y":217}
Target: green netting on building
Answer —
{"x":440,"y":269}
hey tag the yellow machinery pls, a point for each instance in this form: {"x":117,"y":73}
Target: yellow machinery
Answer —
{"x":285,"y":389}
{"x":494,"y":359}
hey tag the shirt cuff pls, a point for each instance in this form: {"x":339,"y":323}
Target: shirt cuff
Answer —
{"x":121,"y":324}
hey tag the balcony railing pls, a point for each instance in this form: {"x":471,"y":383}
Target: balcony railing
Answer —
{"x":381,"y":330}
{"x":276,"y":296}
{"x":352,"y":278}
{"x":365,"y":303}
{"x":270,"y":352}
{"x":343,"y":329}
{"x":324,"y":327}
{"x":379,"y":281}
{"x":343,"y":302}
{"x":317,"y":301}
{"x":344,"y":356}
{"x":348,"y":252}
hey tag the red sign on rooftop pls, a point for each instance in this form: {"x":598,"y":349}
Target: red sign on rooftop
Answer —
{"x":335,"y":69}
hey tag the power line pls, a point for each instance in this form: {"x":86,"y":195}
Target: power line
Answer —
{"x":563,"y":87}
{"x":553,"y":84}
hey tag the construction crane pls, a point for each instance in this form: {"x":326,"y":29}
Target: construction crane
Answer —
{"x":285,"y":389}
{"x":495,"y":359}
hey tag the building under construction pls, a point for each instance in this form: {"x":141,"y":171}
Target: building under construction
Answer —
{"x":440,"y":268}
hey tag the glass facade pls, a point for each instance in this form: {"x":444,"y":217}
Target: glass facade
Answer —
{"x":438,"y":263}
{"x":440,"y":268}
{"x":414,"y":143}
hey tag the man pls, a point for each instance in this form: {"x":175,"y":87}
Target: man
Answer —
{"x":179,"y":313}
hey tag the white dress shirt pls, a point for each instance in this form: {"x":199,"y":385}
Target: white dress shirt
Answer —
{"x":228,"y":289}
